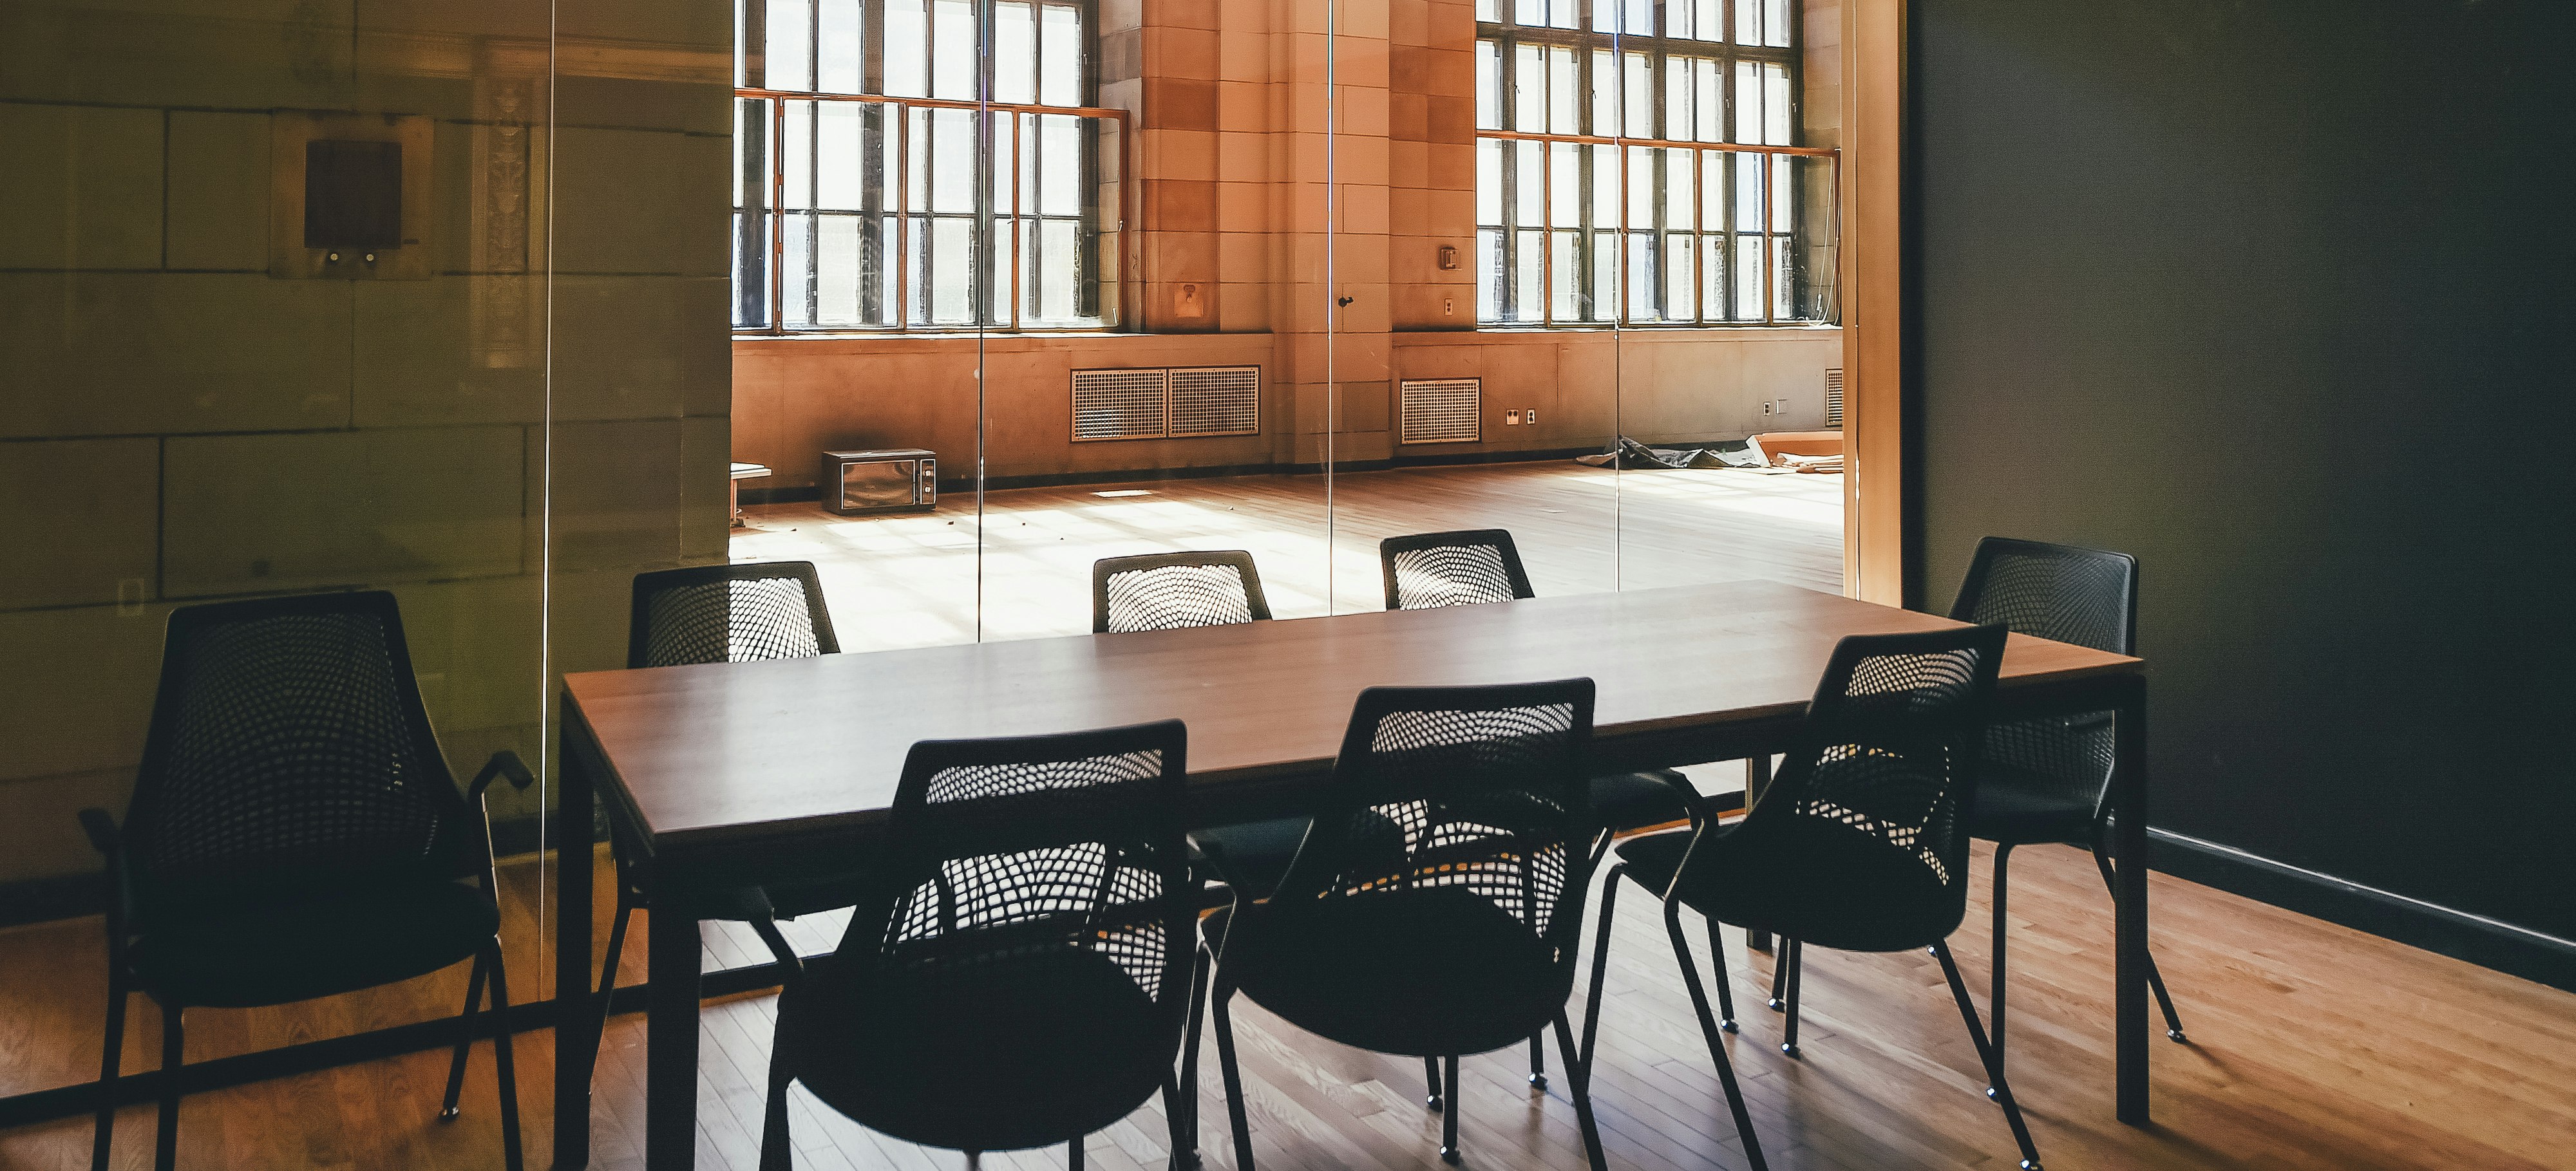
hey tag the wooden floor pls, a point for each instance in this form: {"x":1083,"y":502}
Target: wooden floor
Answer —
{"x":2312,"y":1047}
{"x":900,"y":581}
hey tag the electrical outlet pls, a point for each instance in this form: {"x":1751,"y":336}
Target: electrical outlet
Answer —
{"x":1511,"y":418}
{"x":1766,"y":406}
{"x":1530,"y":417}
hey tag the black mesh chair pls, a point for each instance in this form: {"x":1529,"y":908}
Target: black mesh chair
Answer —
{"x":724,"y":614}
{"x":2049,"y":780}
{"x":1013,"y":977}
{"x":1168,"y":591}
{"x":1473,"y":566}
{"x":295,"y":834}
{"x":1434,"y":908}
{"x":1861,"y":843}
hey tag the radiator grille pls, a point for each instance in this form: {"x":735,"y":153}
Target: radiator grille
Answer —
{"x":1834,"y":396}
{"x":1216,"y":400}
{"x":1118,"y":404}
{"x":1440,"y":410}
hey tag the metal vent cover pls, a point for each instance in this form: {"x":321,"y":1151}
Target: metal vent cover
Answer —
{"x":1833,"y":396}
{"x":1118,"y":404}
{"x":1440,"y":410}
{"x":1215,"y":400}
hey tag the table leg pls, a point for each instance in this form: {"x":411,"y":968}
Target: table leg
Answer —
{"x":671,"y":1041}
{"x":2129,"y":849}
{"x":1757,"y":777}
{"x":576,"y":1024}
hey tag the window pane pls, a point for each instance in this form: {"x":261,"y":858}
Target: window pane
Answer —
{"x":1530,"y":12}
{"x":1641,"y":17}
{"x":1642,"y":187}
{"x":1605,"y":94}
{"x":1748,"y":22}
{"x":950,"y":150}
{"x":1051,"y":260}
{"x":798,"y":155}
{"x":1564,"y":298}
{"x":1015,"y":53}
{"x":907,"y":49}
{"x":1679,"y":186}
{"x":1776,"y":105}
{"x":1489,"y":181}
{"x":1748,"y":278}
{"x":1532,"y":188}
{"x":796,"y":306}
{"x":1748,"y":193}
{"x":1712,"y":214}
{"x":1678,"y":283}
{"x":952,"y":49}
{"x":1748,"y":102}
{"x":1527,"y":274}
{"x":1642,"y":277}
{"x":837,"y":59}
{"x":1491,"y":278}
{"x":840,"y":155}
{"x":1529,"y":89}
{"x":1489,"y":86}
{"x":1782,"y":295}
{"x":1605,"y":184}
{"x":1775,"y":23}
{"x":1565,"y":185}
{"x":1712,"y":277}
{"x":1640,"y":110}
{"x":1059,"y":165}
{"x":1560,"y":91}
{"x":1060,"y":64}
{"x":1711,"y":107}
{"x":952,"y":254}
{"x":1710,"y":23}
{"x":1485,"y":10}
{"x":791,"y":44}
{"x":1604,"y":292}
{"x":836,"y":270}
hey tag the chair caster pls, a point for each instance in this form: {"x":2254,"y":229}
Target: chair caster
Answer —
{"x":1538,"y":1081}
{"x":1791,"y":1050}
{"x":1433,"y":1102}
{"x":1991,"y":1095}
{"x":1776,"y":1004}
{"x":448,"y":1114}
{"x":1449,"y":1155}
{"x":1728,"y":1025}
{"x":2030,"y":1165}
{"x":2175,"y":1036}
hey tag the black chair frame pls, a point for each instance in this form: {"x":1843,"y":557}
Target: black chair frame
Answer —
{"x":1107,"y":570}
{"x":459,"y":847}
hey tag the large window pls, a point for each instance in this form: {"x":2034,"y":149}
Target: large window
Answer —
{"x":1637,"y":161}
{"x":877,"y":189}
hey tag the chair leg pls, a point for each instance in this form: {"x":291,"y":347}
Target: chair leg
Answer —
{"x":505,"y":1066}
{"x":447,"y":1108}
{"x":616,"y":948}
{"x":1538,"y":1063}
{"x":165,"y":1145}
{"x":1582,"y":1094}
{"x":1779,"y":975}
{"x":1987,"y":1056}
{"x":1449,"y":1117}
{"x":1186,"y":1151}
{"x":1581,"y":1064}
{"x":1995,"y":984}
{"x":777,"y":1150}
{"x":108,"y":1061}
{"x":2155,"y":979}
{"x":1796,"y":953}
{"x":1717,"y":962}
{"x":1182,"y":1156}
{"x":1073,"y":1155}
{"x":1708,"y":1031}
{"x":1233,"y":1077}
{"x":1431,"y":1076}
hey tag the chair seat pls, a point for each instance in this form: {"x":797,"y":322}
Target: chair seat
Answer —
{"x":1810,"y":880}
{"x":1253,"y":853}
{"x":266,"y":950}
{"x":1006,"y":1056}
{"x":1430,"y":972}
{"x":2022,"y":808}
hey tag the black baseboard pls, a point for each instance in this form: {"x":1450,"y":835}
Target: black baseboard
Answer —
{"x":966,"y":487}
{"x":2458,"y":934}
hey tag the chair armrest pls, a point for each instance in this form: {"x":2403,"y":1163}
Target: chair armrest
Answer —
{"x":1692,"y":800}
{"x":751,"y":905}
{"x":504,"y":763}
{"x":1207,"y":856}
{"x":103,"y":833}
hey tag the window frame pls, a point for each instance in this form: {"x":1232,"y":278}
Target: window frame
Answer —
{"x":1585,"y":46}
{"x":1110,"y":134}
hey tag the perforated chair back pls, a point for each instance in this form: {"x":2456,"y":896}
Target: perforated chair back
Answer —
{"x":2088,"y":597}
{"x":1887,"y":765}
{"x":1477,"y":789}
{"x":729,"y":614}
{"x":1459,"y":568}
{"x":1016,"y":849}
{"x":289,"y":749}
{"x":1168,"y":591}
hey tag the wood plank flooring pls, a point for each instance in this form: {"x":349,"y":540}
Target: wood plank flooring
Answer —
{"x":2312,"y":1047}
{"x":899,"y":581}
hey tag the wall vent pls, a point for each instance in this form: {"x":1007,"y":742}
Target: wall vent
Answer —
{"x":1834,"y":396}
{"x":1440,"y":410}
{"x":1215,"y":400}
{"x":1118,"y":404}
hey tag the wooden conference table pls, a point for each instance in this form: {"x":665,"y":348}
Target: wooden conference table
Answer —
{"x":727,"y":774}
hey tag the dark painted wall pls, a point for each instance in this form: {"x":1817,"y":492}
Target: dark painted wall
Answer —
{"x":2277,"y":296}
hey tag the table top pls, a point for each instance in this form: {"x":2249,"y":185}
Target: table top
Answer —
{"x":712,"y":752}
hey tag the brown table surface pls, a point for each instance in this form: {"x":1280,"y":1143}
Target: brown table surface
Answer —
{"x":701,"y":755}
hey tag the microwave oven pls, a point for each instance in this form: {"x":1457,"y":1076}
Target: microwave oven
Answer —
{"x":867,"y":483}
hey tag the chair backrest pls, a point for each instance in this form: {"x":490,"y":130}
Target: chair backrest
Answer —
{"x":1452,"y":569}
{"x":1021,"y":848}
{"x":289,"y":748}
{"x":729,"y":614}
{"x":1890,"y":750}
{"x":1475,"y":788}
{"x":1167,"y":591}
{"x":2088,"y":597}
